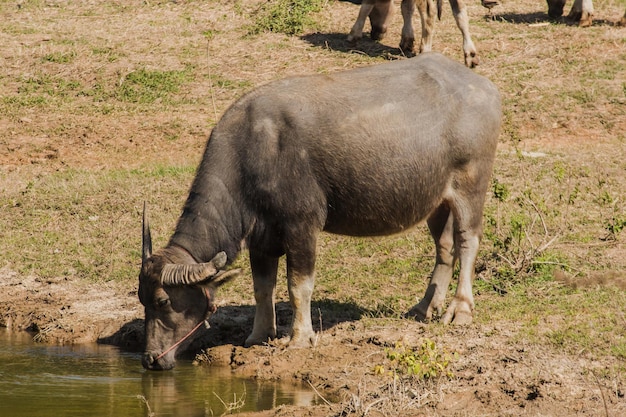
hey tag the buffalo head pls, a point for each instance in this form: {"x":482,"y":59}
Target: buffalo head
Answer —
{"x":178,"y":298}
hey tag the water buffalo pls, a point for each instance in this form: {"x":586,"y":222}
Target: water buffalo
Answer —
{"x":365,"y":152}
{"x":379,"y":12}
{"x":582,"y":10}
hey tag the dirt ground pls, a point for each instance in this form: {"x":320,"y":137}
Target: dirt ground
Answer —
{"x":495,"y":373}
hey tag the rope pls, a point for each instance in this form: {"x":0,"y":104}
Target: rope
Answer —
{"x":192,"y":331}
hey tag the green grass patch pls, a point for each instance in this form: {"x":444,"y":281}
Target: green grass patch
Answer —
{"x":60,"y":57}
{"x":290,"y":17}
{"x":144,"y":86}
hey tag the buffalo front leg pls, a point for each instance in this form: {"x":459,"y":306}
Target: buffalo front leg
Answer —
{"x":300,"y":282}
{"x":357,"y":30}
{"x":264,"y":271}
{"x":441,"y":226}
{"x":427,"y":10}
{"x":459,"y":10}
{"x":555,"y":8}
{"x":378,"y":18}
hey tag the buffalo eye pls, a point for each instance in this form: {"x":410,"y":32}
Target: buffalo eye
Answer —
{"x":163,"y":302}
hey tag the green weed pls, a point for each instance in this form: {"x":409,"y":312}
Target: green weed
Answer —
{"x":60,"y":57}
{"x":146,"y":86}
{"x":290,"y":17}
{"x":425,"y":362}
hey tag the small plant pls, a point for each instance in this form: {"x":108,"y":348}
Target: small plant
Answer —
{"x":500,"y":191}
{"x":615,"y":225}
{"x":59,"y":57}
{"x":146,"y":86}
{"x":285,"y":16}
{"x":425,"y":362}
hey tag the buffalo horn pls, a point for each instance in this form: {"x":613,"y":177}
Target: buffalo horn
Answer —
{"x":146,"y":239}
{"x":190,"y":274}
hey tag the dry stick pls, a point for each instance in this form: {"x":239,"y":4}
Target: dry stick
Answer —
{"x":545,"y":228}
{"x":319,"y":313}
{"x":211,"y":89}
{"x":145,"y":401}
{"x":318,"y":393}
{"x":606,"y":408}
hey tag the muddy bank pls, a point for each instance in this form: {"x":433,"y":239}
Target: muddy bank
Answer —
{"x":493,"y":374}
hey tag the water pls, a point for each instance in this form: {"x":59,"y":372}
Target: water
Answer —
{"x":96,"y":380}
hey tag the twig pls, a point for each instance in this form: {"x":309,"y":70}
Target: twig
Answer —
{"x":606,"y":408}
{"x":236,"y":404}
{"x":145,"y":401}
{"x":545,"y":245}
{"x":211,"y":89}
{"x":532,"y":203}
{"x":370,"y":405}
{"x":318,"y":393}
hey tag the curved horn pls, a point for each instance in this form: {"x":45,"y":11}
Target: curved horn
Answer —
{"x":146,"y":238}
{"x":190,"y":274}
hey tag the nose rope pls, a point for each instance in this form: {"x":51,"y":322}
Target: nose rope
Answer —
{"x":192,"y":331}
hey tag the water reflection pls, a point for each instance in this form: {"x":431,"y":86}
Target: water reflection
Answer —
{"x":197,"y":391}
{"x":95,"y":380}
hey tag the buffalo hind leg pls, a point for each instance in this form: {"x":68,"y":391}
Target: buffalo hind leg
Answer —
{"x":466,"y":202}
{"x":264,"y":271}
{"x":459,"y":10}
{"x":582,"y":12}
{"x":426,"y":9}
{"x":441,"y":226}
{"x":466,"y":243}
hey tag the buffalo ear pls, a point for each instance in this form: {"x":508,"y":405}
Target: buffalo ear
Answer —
{"x":224,"y":277}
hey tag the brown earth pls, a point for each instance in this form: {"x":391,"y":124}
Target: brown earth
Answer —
{"x":493,"y":375}
{"x":496,"y":373}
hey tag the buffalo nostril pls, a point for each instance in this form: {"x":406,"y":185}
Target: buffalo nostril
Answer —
{"x":147,"y":360}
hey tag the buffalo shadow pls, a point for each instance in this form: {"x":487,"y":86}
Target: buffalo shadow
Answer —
{"x":542,"y":17}
{"x":365,"y":46}
{"x":231,"y":325}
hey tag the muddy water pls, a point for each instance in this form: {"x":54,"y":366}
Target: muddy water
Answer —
{"x":95,"y":380}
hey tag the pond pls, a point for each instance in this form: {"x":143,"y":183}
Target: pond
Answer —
{"x":99,"y":380}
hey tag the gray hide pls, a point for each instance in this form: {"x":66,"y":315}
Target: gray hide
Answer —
{"x":365,"y":152}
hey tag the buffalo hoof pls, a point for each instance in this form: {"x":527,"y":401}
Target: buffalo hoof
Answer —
{"x":407,"y":46}
{"x":423,"y":311}
{"x":378,"y":33}
{"x":584,"y":19}
{"x":352,"y":40}
{"x":459,"y":313}
{"x":303,"y":340}
{"x":259,"y":339}
{"x":256,"y":341}
{"x":471,"y":59}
